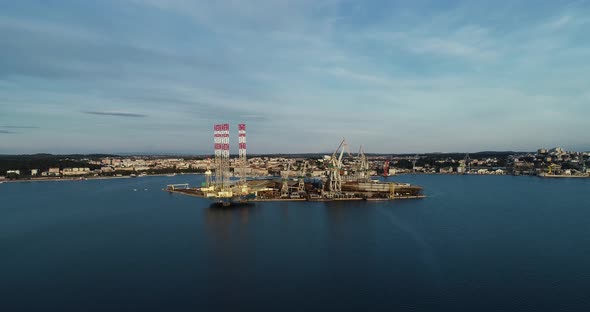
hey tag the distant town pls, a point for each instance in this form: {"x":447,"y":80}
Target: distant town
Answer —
{"x":554,"y":162}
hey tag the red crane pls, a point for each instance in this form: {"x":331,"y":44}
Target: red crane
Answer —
{"x":386,"y":168}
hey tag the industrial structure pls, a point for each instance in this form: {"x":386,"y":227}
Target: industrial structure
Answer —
{"x":339,"y":182}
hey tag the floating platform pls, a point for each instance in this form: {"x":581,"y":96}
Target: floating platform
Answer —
{"x":270,"y":191}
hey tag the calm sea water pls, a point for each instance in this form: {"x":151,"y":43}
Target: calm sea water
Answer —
{"x":477,"y":243}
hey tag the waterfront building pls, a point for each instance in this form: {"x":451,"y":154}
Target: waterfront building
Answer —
{"x":446,"y":170}
{"x":53,"y":172}
{"x":107,"y":169}
{"x":75,"y":171}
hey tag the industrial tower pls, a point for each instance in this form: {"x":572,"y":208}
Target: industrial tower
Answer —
{"x":243,"y":162}
{"x":221,"y":139}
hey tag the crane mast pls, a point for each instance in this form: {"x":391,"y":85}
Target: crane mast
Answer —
{"x":335,"y":175}
{"x":285,"y":186}
{"x":301,"y":184}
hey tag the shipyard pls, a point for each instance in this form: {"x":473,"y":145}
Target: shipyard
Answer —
{"x":346,"y":177}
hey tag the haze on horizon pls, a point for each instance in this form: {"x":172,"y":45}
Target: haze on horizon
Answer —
{"x":153,"y":76}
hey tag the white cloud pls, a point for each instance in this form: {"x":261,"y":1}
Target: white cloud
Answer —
{"x":50,"y":29}
{"x":560,"y":22}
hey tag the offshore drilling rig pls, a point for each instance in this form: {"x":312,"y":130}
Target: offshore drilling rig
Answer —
{"x":223,"y":189}
{"x":341,"y":181}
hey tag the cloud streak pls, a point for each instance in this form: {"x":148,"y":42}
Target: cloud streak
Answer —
{"x":116,"y":114}
{"x":19,"y":127}
{"x":253,"y":117}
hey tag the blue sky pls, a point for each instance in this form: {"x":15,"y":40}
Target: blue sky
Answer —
{"x":394,"y":76}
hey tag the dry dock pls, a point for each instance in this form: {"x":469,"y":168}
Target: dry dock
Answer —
{"x":273,"y":190}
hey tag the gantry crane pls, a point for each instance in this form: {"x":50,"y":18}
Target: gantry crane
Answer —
{"x":362,"y":170}
{"x":301,"y":185}
{"x":335,"y":174}
{"x":285,"y":176}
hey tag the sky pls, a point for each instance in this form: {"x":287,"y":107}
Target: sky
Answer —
{"x":154,"y":76}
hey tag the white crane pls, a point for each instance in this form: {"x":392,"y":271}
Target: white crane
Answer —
{"x":285,"y":176}
{"x":335,"y":177}
{"x":362,"y":166}
{"x":301,"y":185}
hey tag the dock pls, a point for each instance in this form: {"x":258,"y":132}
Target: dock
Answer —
{"x":270,"y":191}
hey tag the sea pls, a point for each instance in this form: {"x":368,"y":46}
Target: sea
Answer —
{"x":476,"y":243}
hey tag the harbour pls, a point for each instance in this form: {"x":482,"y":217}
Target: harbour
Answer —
{"x":343,"y":178}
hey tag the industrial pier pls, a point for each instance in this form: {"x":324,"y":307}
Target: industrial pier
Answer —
{"x":271,"y":190}
{"x":336,"y":184}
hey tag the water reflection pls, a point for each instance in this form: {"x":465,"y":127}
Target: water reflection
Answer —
{"x":335,"y":212}
{"x":344,"y":219}
{"x":285,"y":212}
{"x":339,"y":212}
{"x":221,"y":222}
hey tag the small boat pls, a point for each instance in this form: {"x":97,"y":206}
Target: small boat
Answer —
{"x":171,"y":175}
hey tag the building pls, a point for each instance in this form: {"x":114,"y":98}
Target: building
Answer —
{"x":446,"y":170}
{"x":53,"y":172}
{"x":75,"y":171}
{"x":34,"y":172}
{"x":16,"y":172}
{"x":557,"y":151}
{"x":107,"y":169}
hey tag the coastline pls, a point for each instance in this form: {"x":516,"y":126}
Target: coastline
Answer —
{"x":55,"y":179}
{"x":58,"y":179}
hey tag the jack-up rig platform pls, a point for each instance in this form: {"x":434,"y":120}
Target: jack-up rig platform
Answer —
{"x":338,"y":182}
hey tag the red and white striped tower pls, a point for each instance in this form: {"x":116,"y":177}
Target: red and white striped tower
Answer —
{"x":217,"y":139}
{"x":242,"y":151}
{"x":221,"y":140}
{"x":225,"y":157}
